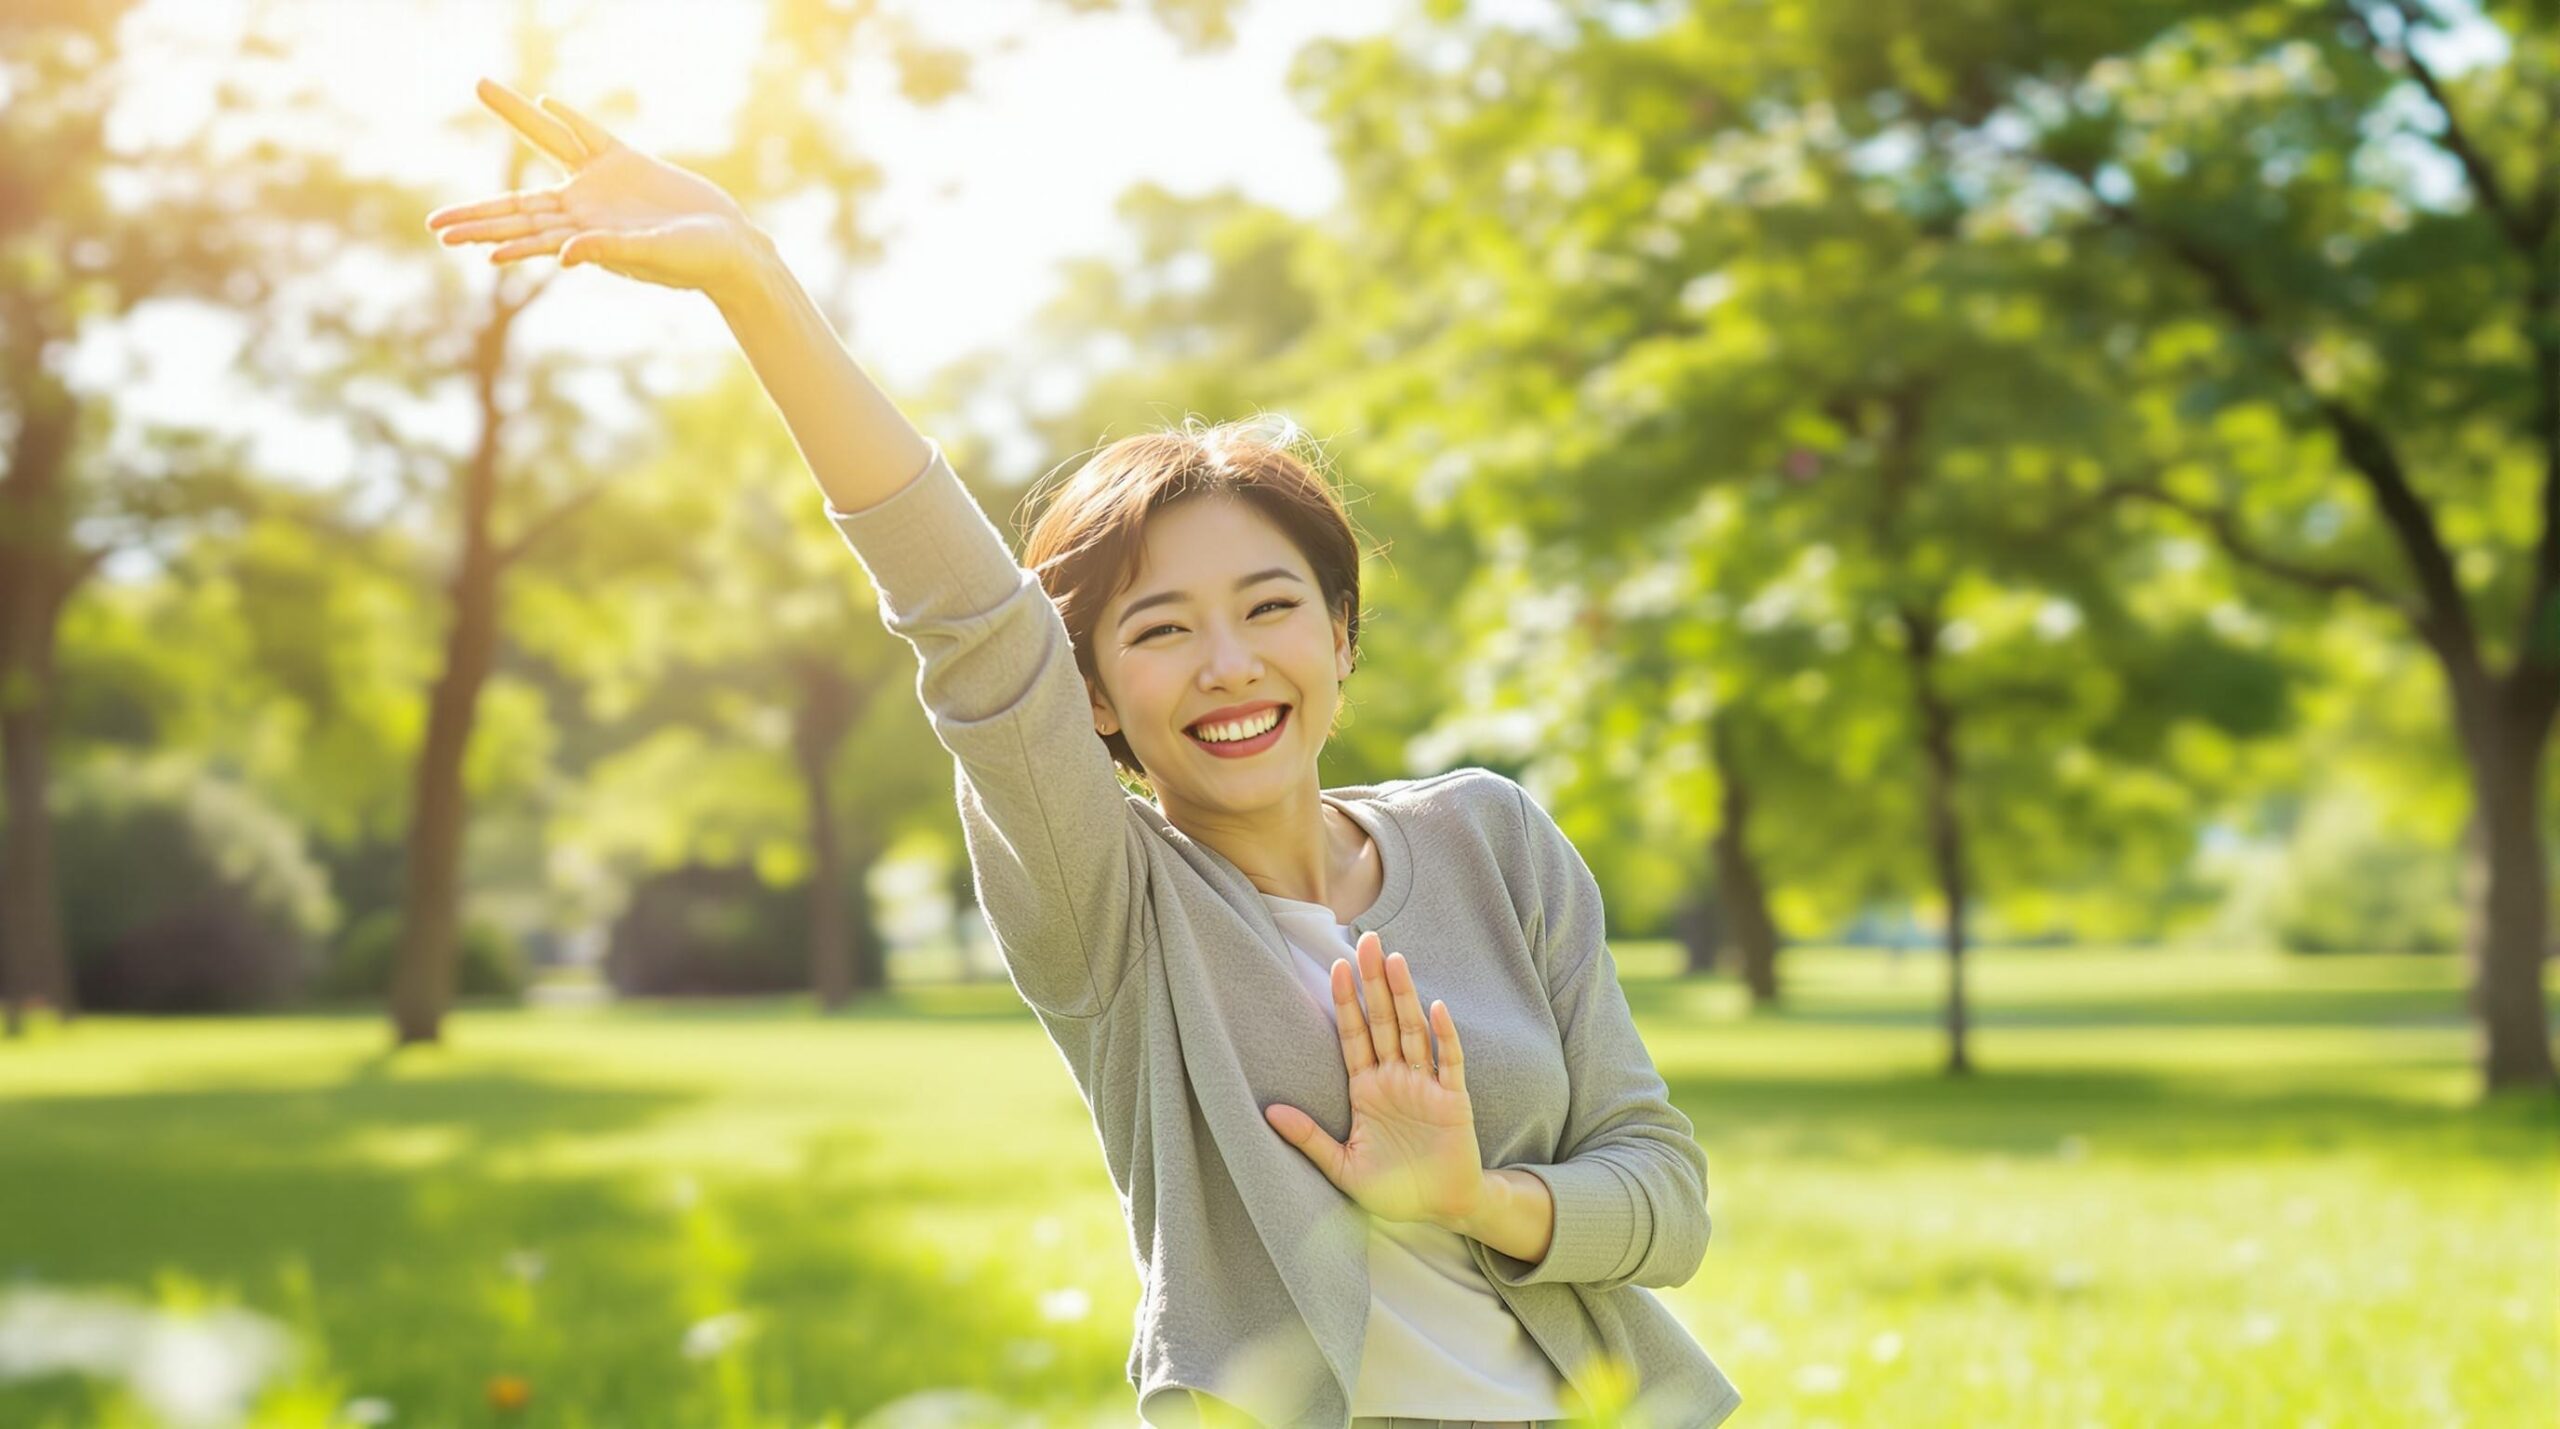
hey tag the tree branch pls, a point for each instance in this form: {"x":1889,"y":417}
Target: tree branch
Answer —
{"x":2445,"y":618}
{"x":549,"y":521}
{"x":2224,"y":523}
{"x":2526,"y":228}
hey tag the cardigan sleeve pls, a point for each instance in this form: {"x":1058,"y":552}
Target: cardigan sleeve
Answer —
{"x":1050,"y":840}
{"x":1630,"y":1184}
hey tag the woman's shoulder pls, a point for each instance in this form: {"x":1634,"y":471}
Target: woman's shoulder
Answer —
{"x":1478,"y":797}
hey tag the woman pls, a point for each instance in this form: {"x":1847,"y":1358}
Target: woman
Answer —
{"x":1469,"y":1248}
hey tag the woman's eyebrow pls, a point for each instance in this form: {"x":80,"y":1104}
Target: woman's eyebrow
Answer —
{"x":1169,"y":597}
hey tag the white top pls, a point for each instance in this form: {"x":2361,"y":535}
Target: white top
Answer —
{"x":1440,"y":1342}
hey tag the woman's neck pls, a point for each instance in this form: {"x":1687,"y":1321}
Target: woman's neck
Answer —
{"x":1300,"y":849}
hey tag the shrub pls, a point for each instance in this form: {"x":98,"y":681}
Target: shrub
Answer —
{"x":709,"y":929}
{"x":360,"y":966}
{"x":181,"y":892}
{"x":2352,"y":883}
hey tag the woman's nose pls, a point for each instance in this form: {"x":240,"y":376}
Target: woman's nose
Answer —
{"x":1231,"y":660}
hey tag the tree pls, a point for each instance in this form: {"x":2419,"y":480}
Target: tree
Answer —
{"x":1615,"y":308}
{"x":749,"y":703}
{"x":2336,"y":233}
{"x":89,"y":232}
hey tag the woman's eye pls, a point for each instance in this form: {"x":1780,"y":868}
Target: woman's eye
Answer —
{"x":1283,"y":604}
{"x":1151,"y":631}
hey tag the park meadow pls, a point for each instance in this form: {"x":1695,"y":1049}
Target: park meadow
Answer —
{"x":2203,"y":1188}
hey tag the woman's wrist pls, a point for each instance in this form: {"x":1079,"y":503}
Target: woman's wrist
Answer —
{"x":1515,"y":1213}
{"x":757,"y":277}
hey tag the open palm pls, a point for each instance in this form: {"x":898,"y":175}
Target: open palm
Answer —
{"x":621,"y":209}
{"x":1412,"y":1153}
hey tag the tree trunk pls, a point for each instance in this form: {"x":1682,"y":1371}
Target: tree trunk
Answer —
{"x":1699,"y":924}
{"x":1744,"y":897}
{"x":1946,"y":826}
{"x":824,"y":709}
{"x":870,"y":954}
{"x":830,"y":949}
{"x":2510,"y":917}
{"x":38,"y":569}
{"x":431,"y":914}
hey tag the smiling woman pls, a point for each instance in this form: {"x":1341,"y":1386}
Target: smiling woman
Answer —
{"x":1092,"y":545}
{"x":1212,"y":964}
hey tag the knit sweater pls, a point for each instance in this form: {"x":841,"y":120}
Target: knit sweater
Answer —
{"x":1157,"y":971}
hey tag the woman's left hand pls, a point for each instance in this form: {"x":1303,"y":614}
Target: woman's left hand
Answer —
{"x":1412,"y":1153}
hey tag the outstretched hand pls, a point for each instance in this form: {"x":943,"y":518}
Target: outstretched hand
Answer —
{"x":620,"y":209}
{"x":1412,"y":1153}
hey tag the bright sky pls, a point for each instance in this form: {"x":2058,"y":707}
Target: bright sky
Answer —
{"x":985,"y":193}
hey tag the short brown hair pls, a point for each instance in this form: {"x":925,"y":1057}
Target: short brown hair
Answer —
{"x":1085,"y":544}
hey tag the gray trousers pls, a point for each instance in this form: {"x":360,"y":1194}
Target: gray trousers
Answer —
{"x":1407,"y":1421}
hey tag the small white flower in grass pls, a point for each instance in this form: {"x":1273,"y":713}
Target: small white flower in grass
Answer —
{"x":1820,"y":1379}
{"x":1886,"y":1347}
{"x":2074,"y":1147}
{"x":527,"y":1265}
{"x":203,"y":1369}
{"x":368,"y":1410}
{"x":684,"y":1193}
{"x":2072,"y":1276}
{"x":2260,"y":1326}
{"x":1048,"y":1230}
{"x":2246,"y":1252}
{"x":1066,"y":1303}
{"x":706,"y":1338}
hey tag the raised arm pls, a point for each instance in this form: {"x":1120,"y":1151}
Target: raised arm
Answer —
{"x":639,"y":216}
{"x":1049,"y":834}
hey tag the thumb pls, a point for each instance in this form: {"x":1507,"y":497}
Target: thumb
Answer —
{"x":586,"y":248}
{"x":1300,"y":1130}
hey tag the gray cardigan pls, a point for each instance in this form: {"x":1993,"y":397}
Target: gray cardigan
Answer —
{"x":1159,"y":974}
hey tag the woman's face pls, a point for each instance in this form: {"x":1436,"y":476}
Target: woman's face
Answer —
{"x":1222,"y":622}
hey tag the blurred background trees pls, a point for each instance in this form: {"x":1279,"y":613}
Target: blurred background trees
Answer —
{"x":2016,"y":473}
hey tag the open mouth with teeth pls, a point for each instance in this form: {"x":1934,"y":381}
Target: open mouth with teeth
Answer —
{"x":1237,"y":738}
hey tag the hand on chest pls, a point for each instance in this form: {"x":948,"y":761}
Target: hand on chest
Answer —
{"x":1291,"y":1043}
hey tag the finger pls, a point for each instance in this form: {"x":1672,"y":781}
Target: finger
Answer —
{"x":1356,"y":1056}
{"x":539,"y":129}
{"x":521,"y":201}
{"x":1382,"y":1004}
{"x":535,"y":245}
{"x":1300,"y":1130}
{"x":498,"y":230}
{"x":1413,"y":1039}
{"x":1453,"y":1058}
{"x":590,"y":134}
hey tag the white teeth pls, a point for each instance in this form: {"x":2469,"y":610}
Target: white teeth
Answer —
{"x":1245,"y":728}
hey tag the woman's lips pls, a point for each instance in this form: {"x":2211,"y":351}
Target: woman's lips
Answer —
{"x":1246,"y":748}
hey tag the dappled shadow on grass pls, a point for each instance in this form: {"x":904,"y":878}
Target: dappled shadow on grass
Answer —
{"x":435,"y":1256}
{"x":987,"y":1002}
{"x":2149,"y":1116}
{"x":2171,"y":1007}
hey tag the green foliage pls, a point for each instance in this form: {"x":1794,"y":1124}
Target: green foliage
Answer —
{"x":361,"y":963}
{"x":2350,"y":882}
{"x":183,"y":892}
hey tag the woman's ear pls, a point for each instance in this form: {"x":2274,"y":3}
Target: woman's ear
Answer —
{"x":1341,"y":647}
{"x":1105,"y":721}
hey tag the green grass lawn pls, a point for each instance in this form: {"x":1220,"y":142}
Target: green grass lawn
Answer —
{"x":2179,"y":1190}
